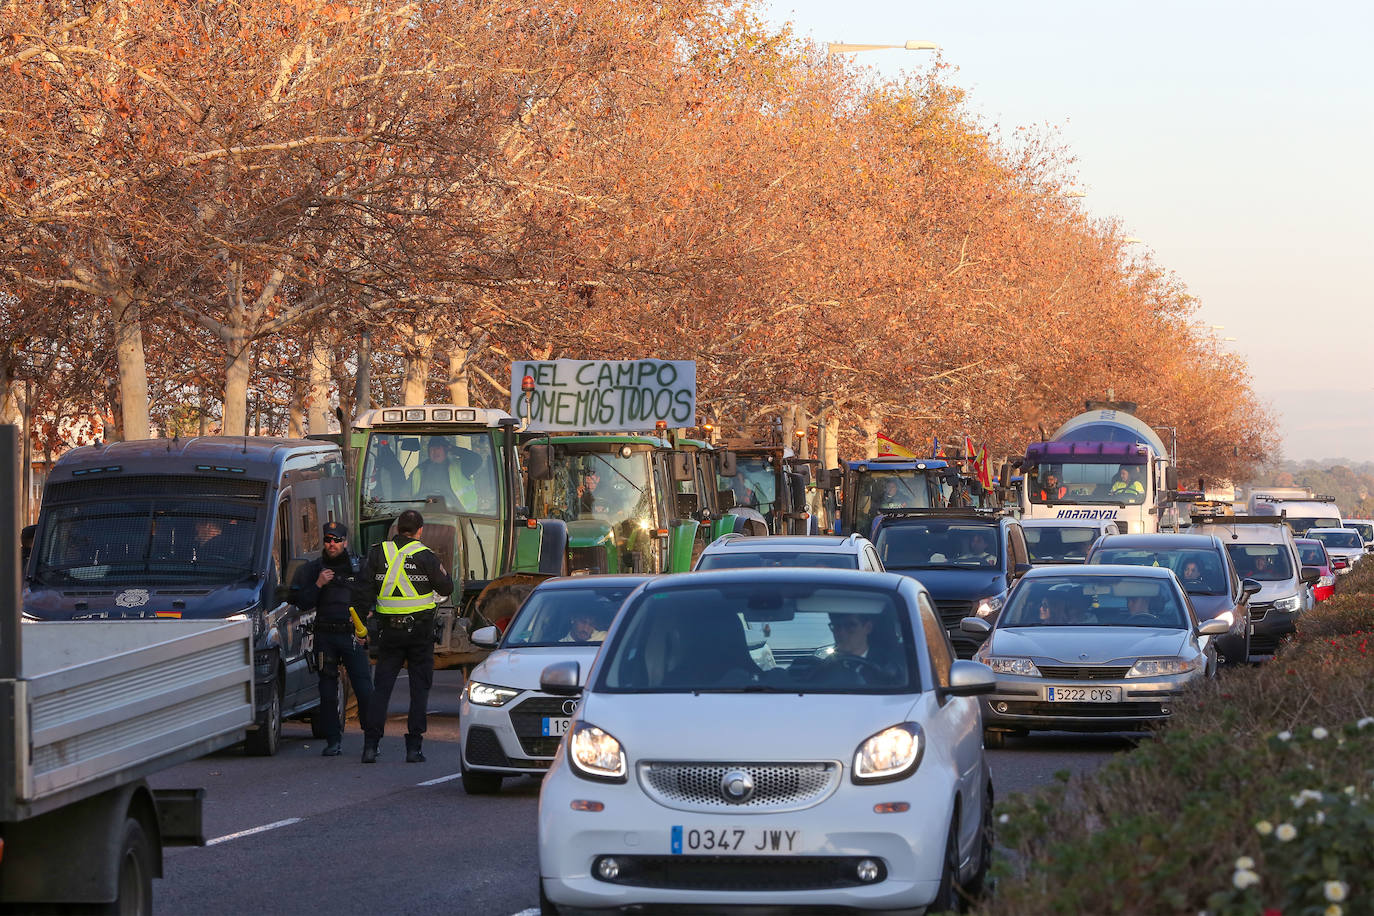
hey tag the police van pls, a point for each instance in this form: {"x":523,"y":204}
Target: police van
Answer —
{"x":198,"y":528}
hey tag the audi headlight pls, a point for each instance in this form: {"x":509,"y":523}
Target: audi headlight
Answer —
{"x":596,"y":754}
{"x":490,"y":694}
{"x":989,"y":606}
{"x":892,"y":753}
{"x":1002,"y":664}
{"x":1289,"y":604}
{"x":1163,"y":667}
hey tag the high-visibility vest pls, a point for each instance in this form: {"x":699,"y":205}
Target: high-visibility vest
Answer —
{"x":462,"y":486}
{"x":398,"y":594}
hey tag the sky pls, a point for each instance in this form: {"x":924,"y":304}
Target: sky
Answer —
{"x":1236,"y":140}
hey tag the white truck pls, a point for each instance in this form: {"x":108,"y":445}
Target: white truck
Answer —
{"x":89,"y":709}
{"x":1104,"y":464}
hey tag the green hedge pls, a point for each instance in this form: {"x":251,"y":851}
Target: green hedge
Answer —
{"x":1257,"y":799}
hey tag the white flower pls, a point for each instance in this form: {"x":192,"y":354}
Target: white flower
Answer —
{"x":1320,"y":733}
{"x":1319,"y":818}
{"x":1004,"y":819}
{"x":1336,"y":891}
{"x":1244,"y":878}
{"x":1245,"y":863}
{"x":1333,"y":910}
{"x":1265,"y":828}
{"x":1349,"y":790}
{"x":1285,"y":832}
{"x":1367,"y":720}
{"x":1284,"y":736}
{"x":1305,"y":796}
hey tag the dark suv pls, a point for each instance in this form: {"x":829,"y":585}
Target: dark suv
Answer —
{"x":1203,"y":566}
{"x":967,"y":559}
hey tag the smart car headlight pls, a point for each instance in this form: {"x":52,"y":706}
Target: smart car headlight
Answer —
{"x":1289,"y":604}
{"x":989,"y":606}
{"x":892,"y":753}
{"x":1163,"y":667}
{"x":596,"y":754}
{"x":490,"y":694}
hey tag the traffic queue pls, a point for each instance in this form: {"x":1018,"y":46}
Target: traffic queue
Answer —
{"x":746,"y":678}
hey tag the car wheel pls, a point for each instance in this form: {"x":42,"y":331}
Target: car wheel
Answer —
{"x":135,"y":874}
{"x":265,"y":741}
{"x":475,"y":783}
{"x":949,"y":898}
{"x":994,"y":740}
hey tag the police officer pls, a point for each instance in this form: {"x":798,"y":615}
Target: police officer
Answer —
{"x":328,"y":586}
{"x":403,"y":580}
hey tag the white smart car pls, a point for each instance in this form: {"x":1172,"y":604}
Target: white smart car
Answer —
{"x":849,"y":776}
{"x":506,"y":725}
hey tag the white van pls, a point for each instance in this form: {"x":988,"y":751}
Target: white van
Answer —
{"x":1301,"y":513}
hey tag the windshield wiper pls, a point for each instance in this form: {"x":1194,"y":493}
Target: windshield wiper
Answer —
{"x":638,"y":489}
{"x":747,"y":688}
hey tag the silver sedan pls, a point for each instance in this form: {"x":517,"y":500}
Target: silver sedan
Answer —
{"x":1095,"y":648}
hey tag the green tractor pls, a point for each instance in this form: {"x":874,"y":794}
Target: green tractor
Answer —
{"x":769,"y":486}
{"x":458,"y":466}
{"x":619,"y":496}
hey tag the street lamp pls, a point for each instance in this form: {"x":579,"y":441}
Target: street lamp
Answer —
{"x":840,"y":47}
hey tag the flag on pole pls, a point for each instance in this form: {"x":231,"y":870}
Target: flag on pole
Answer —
{"x":935,"y":450}
{"x":985,"y":468}
{"x":970,"y":452}
{"x":889,"y":449}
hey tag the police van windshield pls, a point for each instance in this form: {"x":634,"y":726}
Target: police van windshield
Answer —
{"x":1120,"y":484}
{"x":456,"y":473}
{"x":149,"y":540}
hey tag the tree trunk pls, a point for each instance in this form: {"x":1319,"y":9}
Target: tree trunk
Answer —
{"x":459,"y":378}
{"x":418,"y":355}
{"x":831,"y":458}
{"x":236,"y":372}
{"x":871,"y":426}
{"x":133,"y":368}
{"x":321,"y":359}
{"x":204,"y":413}
{"x":362,"y":386}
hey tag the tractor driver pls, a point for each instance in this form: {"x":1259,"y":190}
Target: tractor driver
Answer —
{"x":455,"y":481}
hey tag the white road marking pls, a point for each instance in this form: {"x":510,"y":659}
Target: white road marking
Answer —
{"x":532,"y":911}
{"x":435,"y":782}
{"x":252,"y":830}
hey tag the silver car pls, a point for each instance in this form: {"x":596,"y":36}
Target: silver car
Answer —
{"x":1094,"y":648}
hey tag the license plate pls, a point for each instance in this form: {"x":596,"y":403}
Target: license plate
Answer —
{"x":1083,"y":694}
{"x":745,"y":841}
{"x":555,"y":727}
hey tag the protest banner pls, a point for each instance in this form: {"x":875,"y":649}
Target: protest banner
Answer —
{"x":606,"y":394}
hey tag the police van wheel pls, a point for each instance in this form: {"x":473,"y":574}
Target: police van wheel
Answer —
{"x":264,"y":741}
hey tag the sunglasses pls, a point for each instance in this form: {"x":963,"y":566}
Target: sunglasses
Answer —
{"x":331,"y":539}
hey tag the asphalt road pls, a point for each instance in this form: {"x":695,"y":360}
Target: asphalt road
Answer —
{"x":302,"y":833}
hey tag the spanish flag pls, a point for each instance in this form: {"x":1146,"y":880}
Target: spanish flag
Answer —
{"x":889,"y":449}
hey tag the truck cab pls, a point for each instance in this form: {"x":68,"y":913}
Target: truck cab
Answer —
{"x":769,"y":486}
{"x":457,"y":466}
{"x":202,"y":528}
{"x":616,"y":494}
{"x":877,"y":484}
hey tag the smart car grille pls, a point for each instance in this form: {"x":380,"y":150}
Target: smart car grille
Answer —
{"x":744,"y":873}
{"x":951,"y":612}
{"x":691,"y":786}
{"x":527,"y":719}
{"x":1085,"y":672}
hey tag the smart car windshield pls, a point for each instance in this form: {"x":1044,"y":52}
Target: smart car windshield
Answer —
{"x":741,"y":559}
{"x":1201,"y":572}
{"x":1262,"y":562}
{"x":1067,"y":544}
{"x":566,"y":616}
{"x":1094,"y":601}
{"x":940,"y":543}
{"x":1312,"y":555}
{"x":760,"y":638}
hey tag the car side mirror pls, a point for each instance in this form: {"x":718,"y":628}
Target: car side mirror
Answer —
{"x":486,"y":638}
{"x":975,"y":626}
{"x":969,"y":679}
{"x":1213,"y":627}
{"x":561,"y":679}
{"x":1249,"y":587}
{"x":1310,"y":575}
{"x":537,"y":463}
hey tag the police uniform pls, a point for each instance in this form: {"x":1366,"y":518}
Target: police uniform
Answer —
{"x":333,"y":633}
{"x":404,"y":580}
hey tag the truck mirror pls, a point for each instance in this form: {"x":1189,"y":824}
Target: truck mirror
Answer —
{"x":1171,"y":478}
{"x":804,"y":471}
{"x":828,"y":478}
{"x":798,"y":494}
{"x":537,"y":463}
{"x":687,"y":505}
{"x":725,"y":499}
{"x":681,"y":466}
{"x":728,"y":467}
{"x":26,"y":535}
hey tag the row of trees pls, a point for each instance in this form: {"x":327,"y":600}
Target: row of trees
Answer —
{"x":234,"y":215}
